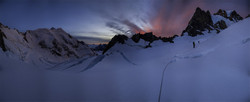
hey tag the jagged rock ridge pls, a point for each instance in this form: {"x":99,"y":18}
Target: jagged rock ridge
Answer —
{"x":148,"y":37}
{"x":203,"y":20}
{"x":200,"y":21}
{"x":116,"y":39}
{"x":231,"y":15}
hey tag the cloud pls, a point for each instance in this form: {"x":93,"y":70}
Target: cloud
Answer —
{"x":117,"y":28}
{"x":133,"y":27}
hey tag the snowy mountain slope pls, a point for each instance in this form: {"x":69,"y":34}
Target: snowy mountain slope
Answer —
{"x":43,"y":46}
{"x":216,"y":70}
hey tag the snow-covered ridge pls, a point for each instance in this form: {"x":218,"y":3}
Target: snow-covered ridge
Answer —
{"x":43,"y":45}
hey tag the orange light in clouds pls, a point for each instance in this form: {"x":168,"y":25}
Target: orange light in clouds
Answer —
{"x":168,"y":23}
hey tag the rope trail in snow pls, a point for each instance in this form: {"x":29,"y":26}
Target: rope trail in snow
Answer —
{"x":174,"y":60}
{"x":162,"y":77}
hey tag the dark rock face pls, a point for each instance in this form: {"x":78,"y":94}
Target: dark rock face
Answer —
{"x":169,"y":39}
{"x":116,"y":39}
{"x":222,"y":13}
{"x":136,"y":37}
{"x":200,"y":21}
{"x":147,"y":37}
{"x":220,"y":25}
{"x":42,"y":44}
{"x":234,"y":16}
{"x":2,"y":45}
{"x":151,"y":38}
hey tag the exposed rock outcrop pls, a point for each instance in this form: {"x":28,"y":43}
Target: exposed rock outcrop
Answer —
{"x":231,"y":15}
{"x":222,"y":13}
{"x":2,"y":36}
{"x":234,"y":16}
{"x":116,"y":39}
{"x":220,"y":25}
{"x":147,"y":37}
{"x":169,"y":39}
{"x":200,"y":21}
{"x":151,"y":38}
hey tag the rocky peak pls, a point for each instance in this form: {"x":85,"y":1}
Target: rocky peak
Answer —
{"x":116,"y":39}
{"x":169,"y":39}
{"x":151,"y":38}
{"x":200,"y":21}
{"x":220,"y":25}
{"x":147,"y":37}
{"x":231,"y":15}
{"x":222,"y":13}
{"x":234,"y":16}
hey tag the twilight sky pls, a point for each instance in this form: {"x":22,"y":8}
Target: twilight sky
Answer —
{"x":96,"y":21}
